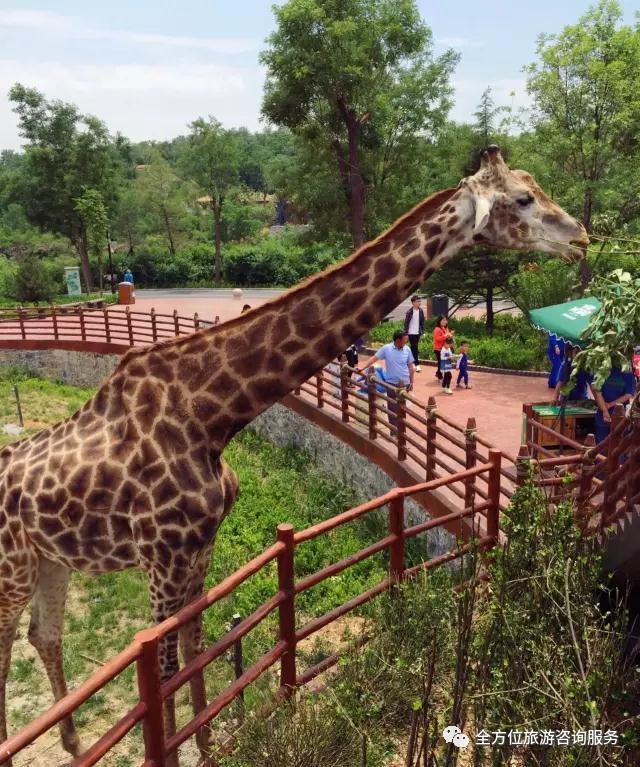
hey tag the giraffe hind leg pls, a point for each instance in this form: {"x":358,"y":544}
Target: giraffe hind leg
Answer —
{"x":45,"y":634}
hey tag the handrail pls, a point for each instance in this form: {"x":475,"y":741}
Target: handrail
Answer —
{"x":84,"y":327}
{"x":144,"y":648}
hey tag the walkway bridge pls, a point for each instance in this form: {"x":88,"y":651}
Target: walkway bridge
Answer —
{"x":462,"y":481}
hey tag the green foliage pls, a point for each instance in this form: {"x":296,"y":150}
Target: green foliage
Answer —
{"x":514,"y":345}
{"x":66,"y":153}
{"x":587,"y":111}
{"x":613,"y":331}
{"x":276,"y":261}
{"x":357,"y":82}
{"x":32,"y":282}
{"x":542,"y":283}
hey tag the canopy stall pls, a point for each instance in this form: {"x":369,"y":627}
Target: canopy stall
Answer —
{"x":566,"y":321}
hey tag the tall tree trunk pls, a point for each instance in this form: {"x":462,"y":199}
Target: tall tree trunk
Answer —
{"x":216,"y":208}
{"x":167,"y":223}
{"x":587,"y":213}
{"x":355,"y":192}
{"x":489,"y":321}
{"x":79,"y":238}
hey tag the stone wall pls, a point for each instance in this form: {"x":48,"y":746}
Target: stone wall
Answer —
{"x":77,"y":368}
{"x":278,"y":424}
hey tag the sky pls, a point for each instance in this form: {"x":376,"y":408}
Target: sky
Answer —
{"x":150,"y":67}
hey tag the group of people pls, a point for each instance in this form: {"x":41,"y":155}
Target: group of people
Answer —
{"x":618,"y":388}
{"x":401,"y":355}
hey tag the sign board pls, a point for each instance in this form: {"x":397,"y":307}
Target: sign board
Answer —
{"x":72,"y":280}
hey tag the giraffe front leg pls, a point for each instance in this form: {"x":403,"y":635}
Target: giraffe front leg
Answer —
{"x":191,"y":643}
{"x":9,"y":616}
{"x":45,"y":634}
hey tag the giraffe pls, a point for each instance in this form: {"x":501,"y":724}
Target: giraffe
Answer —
{"x":136,"y":478}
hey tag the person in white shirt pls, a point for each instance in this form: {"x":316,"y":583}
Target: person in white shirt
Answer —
{"x":414,"y":327}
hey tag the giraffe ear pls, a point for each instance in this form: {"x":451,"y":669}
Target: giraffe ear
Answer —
{"x":483,"y":210}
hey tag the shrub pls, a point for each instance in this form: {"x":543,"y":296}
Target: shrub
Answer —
{"x":276,"y":261}
{"x":33,"y":281}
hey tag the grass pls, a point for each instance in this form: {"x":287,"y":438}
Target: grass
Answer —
{"x":103,"y":613}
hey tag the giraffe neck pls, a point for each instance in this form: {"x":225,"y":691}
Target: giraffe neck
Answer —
{"x":234,"y":372}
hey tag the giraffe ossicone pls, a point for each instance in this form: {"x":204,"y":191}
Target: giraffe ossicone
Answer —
{"x":136,"y":478}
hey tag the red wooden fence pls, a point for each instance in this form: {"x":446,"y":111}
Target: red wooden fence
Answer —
{"x":144,"y":649}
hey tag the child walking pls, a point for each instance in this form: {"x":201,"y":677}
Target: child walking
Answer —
{"x":463,"y":362}
{"x":446,"y":364}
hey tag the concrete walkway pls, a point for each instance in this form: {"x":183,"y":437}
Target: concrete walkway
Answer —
{"x":495,"y":400}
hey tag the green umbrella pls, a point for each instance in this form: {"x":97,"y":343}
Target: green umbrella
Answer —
{"x":567,"y":321}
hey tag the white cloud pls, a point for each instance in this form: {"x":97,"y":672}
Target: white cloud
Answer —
{"x":460,"y":42}
{"x":74,"y":27}
{"x":140,"y":101}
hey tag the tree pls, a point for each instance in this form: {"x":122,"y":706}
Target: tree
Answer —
{"x":66,"y":153}
{"x":587,"y":112}
{"x":613,"y":331}
{"x":356,"y":80}
{"x":485,"y":115}
{"x":478,"y":272}
{"x":212,"y":160}
{"x":162,"y":194}
{"x":93,"y":214}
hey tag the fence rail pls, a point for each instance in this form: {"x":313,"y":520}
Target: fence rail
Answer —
{"x":143,"y":651}
{"x":83,"y":327}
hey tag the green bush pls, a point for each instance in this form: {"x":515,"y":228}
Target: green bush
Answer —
{"x":276,"y":261}
{"x":33,"y":281}
{"x":514,"y":345}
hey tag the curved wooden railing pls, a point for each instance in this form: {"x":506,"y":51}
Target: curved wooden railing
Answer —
{"x":103,"y":330}
{"x":143,"y":651}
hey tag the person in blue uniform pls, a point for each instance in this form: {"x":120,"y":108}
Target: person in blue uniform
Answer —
{"x":618,"y":389}
{"x":581,"y":383}
{"x":555,"y":353}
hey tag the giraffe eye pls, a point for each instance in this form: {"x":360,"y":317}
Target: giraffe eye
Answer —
{"x":523,"y":202}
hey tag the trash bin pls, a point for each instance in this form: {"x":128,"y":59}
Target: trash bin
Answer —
{"x":125,"y":293}
{"x":440,"y":305}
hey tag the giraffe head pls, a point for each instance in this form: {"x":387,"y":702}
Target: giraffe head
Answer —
{"x":507,"y":209}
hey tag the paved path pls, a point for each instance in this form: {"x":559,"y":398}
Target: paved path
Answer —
{"x":495,"y":400}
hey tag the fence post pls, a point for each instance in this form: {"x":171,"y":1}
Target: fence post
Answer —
{"x":149,"y":689}
{"x":372,"y":402}
{"x":21,"y":320}
{"x":344,"y":391}
{"x":154,"y":325}
{"x":54,"y":319}
{"x":430,"y":413}
{"x":471,"y":446}
{"x":129,"y":325}
{"x":238,"y":664}
{"x":107,"y":329}
{"x":612,"y":464}
{"x":319,"y":388}
{"x":176,"y":322}
{"x":196,"y":321}
{"x":83,"y":331}
{"x":528,"y":428}
{"x":396,"y":548}
{"x":401,"y":424}
{"x":286,"y":610}
{"x":523,"y":465}
{"x":493,"y":512}
{"x":586,"y":475}
{"x":18,"y":406}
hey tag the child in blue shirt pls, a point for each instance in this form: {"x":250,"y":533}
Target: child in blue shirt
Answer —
{"x":463,"y":362}
{"x":446,"y":364}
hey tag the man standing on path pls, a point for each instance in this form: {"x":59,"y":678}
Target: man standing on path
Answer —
{"x":414,"y":327}
{"x":399,"y":370}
